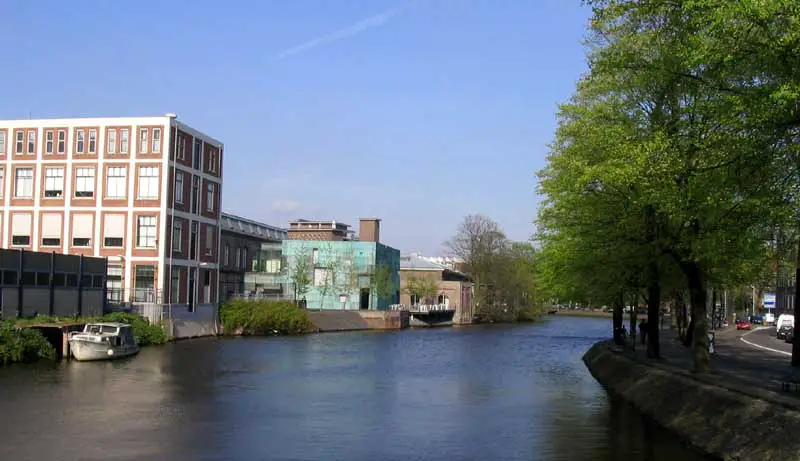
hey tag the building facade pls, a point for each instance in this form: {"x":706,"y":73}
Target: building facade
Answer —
{"x":143,"y":192}
{"x":454,"y":289}
{"x":339,"y":269}
{"x":248,"y":249}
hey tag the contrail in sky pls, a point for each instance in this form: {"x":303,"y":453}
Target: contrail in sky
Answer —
{"x":352,"y":30}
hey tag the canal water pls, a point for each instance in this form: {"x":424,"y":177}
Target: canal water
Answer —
{"x":477,"y":393}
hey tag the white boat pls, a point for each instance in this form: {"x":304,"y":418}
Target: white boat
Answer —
{"x":103,"y":341}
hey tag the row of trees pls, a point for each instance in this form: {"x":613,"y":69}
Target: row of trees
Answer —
{"x":675,"y":163}
{"x":503,"y":271}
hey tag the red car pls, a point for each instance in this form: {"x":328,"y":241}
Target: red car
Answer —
{"x":743,"y":325}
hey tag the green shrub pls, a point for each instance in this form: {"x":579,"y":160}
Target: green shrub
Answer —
{"x":144,"y":332}
{"x":23,"y":345}
{"x":263,"y":318}
{"x":530,"y":314}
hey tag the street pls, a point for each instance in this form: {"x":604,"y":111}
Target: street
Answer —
{"x":764,"y":339}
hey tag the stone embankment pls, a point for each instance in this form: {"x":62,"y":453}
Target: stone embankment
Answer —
{"x":716,"y":414}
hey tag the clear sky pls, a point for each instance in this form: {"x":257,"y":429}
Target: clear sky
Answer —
{"x":417,"y":112}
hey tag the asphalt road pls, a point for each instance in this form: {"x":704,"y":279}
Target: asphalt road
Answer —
{"x":764,"y":339}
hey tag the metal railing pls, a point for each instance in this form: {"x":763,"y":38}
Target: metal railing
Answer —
{"x":423,"y":308}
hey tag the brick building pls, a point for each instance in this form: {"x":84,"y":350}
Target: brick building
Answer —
{"x":144,"y":192}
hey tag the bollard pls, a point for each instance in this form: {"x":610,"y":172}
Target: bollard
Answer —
{"x":711,"y":342}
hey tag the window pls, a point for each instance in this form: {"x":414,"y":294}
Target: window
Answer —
{"x":51,"y":229}
{"x":112,"y":141}
{"x":62,"y":141}
{"x":195,"y":193}
{"x":244,"y":257}
{"x":31,"y":141}
{"x":82,"y":230}
{"x":238,"y":258}
{"x":209,"y":241}
{"x":227,"y":259}
{"x":156,"y":141}
{"x":175,"y":284}
{"x":414,"y":300}
{"x":198,"y":149}
{"x":146,"y":232}
{"x":177,"y":234}
{"x":315,"y":256}
{"x":320,"y":276}
{"x":124,"y":137}
{"x":212,"y":161}
{"x":178,"y":187}
{"x":21,"y":229}
{"x":53,"y":182}
{"x":19,"y":136}
{"x":148,"y":182}
{"x":115,"y":182}
{"x":84,"y":182}
{"x":181,"y":147}
{"x":210,"y":197}
{"x":80,"y":136}
{"x":114,"y":283}
{"x":143,"y":140}
{"x":114,"y":228}
{"x":2,"y":142}
{"x":144,"y":283}
{"x":2,"y":182}
{"x":92,"y":140}
{"x":48,"y":141}
{"x":23,"y":185}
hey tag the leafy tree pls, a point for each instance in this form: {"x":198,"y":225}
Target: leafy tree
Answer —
{"x":421,"y":288}
{"x":300,"y":271}
{"x":380,"y":282}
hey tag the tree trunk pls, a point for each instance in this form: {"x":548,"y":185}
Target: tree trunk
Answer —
{"x":653,"y":314}
{"x":618,"y":306}
{"x":680,"y":315}
{"x":633,"y":320}
{"x":697,"y":294}
{"x":795,"y":341}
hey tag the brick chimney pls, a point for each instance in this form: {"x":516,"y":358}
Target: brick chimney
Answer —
{"x":369,"y":230}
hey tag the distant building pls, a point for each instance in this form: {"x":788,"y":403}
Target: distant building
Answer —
{"x":342,"y":269}
{"x":450,"y":262}
{"x":248,"y":248}
{"x":454,"y":287}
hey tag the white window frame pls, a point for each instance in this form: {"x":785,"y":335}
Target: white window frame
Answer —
{"x":31,"y":148}
{"x":49,"y":140}
{"x":92,"y":140}
{"x":2,"y":181}
{"x":148,"y":184}
{"x":209,"y":240}
{"x":181,"y":149}
{"x":212,"y":162}
{"x":80,"y":141}
{"x":177,"y":235}
{"x":19,"y":142}
{"x":124,"y":140}
{"x":119,"y":184}
{"x":148,"y":238}
{"x":62,"y":142}
{"x":178,"y":187}
{"x":143,"y":143}
{"x":54,"y":181}
{"x":210,"y":196}
{"x":155,"y":140}
{"x":84,"y":182}
{"x":111,"y":142}
{"x":2,"y":142}
{"x":23,"y":182}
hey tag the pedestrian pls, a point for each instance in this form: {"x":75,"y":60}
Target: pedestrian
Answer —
{"x":643,"y":331}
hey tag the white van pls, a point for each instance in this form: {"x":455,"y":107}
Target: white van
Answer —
{"x":785,"y":320}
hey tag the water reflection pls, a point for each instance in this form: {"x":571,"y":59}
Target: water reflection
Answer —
{"x":495,"y":392}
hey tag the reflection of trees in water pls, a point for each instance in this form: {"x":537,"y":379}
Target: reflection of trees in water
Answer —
{"x":607,"y":430}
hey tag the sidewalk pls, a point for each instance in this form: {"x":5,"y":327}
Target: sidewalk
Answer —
{"x":735,"y":366}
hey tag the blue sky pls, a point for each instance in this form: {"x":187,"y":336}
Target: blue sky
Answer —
{"x":417,"y":112}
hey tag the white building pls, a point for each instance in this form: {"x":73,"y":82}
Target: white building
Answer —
{"x":121,"y":188}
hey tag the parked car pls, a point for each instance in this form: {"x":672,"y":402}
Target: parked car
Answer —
{"x":784,"y":331}
{"x":743,"y":324}
{"x":756,"y":320}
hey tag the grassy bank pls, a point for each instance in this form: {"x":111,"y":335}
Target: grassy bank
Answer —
{"x":23,"y":345}
{"x":146,"y":334}
{"x":263,"y":318}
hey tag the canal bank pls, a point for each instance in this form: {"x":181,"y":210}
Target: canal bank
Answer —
{"x":733,"y":413}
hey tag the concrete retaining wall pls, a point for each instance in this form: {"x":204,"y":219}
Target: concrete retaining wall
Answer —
{"x":330,"y":320}
{"x":720,"y":422}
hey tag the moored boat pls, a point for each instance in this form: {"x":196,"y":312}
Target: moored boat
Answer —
{"x":103,"y":341}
